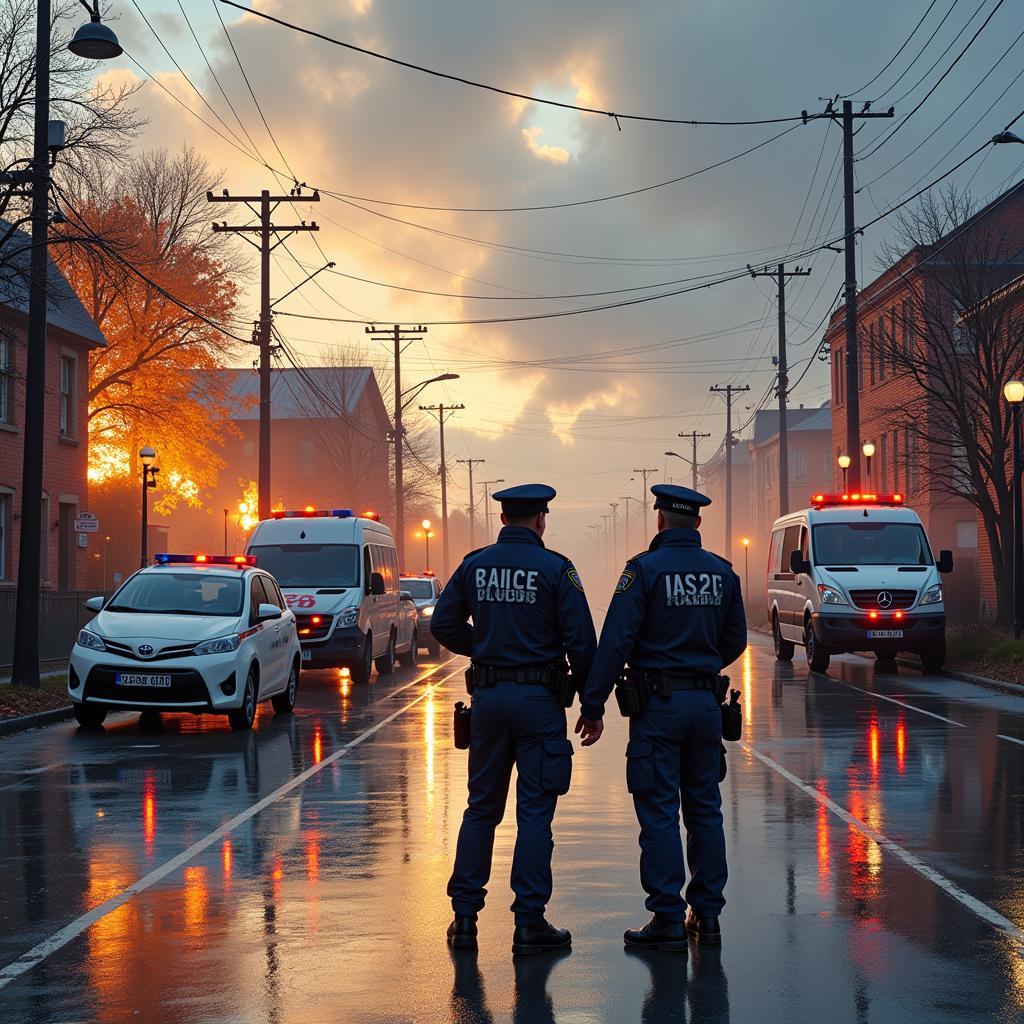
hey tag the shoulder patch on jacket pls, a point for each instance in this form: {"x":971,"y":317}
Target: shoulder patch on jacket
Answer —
{"x":625,"y":581}
{"x":574,"y":577}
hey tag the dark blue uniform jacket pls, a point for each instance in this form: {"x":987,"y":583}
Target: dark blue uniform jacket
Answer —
{"x":526,"y":603}
{"x":676,"y":607}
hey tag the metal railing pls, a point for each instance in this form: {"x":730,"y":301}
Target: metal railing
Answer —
{"x":61,"y":615}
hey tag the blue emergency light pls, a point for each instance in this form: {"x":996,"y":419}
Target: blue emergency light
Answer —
{"x":238,"y":561}
{"x":312,"y":513}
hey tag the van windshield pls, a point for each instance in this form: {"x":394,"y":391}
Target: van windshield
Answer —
{"x":310,"y":565}
{"x":870,"y":543}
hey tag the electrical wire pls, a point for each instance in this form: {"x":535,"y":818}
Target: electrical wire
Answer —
{"x":616,"y":116}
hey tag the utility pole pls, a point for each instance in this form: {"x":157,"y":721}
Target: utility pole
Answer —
{"x":441,"y":413}
{"x":607,"y":543}
{"x":398,"y":335}
{"x":645,"y":473}
{"x":695,"y":438}
{"x":729,"y":390}
{"x":614,"y":506}
{"x":470,"y":463}
{"x":487,"y":484}
{"x":852,"y":358}
{"x":626,"y":499}
{"x":267,"y":204}
{"x":780,"y":276}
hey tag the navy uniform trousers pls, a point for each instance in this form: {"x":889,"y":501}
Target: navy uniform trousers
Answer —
{"x":518,"y":725}
{"x":673,"y":758}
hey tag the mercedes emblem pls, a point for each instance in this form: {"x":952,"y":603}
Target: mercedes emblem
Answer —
{"x":884,"y":599}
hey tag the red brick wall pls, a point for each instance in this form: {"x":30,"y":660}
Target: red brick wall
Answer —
{"x":65,"y":462}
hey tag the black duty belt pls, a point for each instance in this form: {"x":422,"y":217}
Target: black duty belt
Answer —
{"x":491,"y":675}
{"x":656,"y":681}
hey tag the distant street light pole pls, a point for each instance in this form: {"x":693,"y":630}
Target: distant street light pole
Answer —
{"x":426,"y":534}
{"x":487,"y":485}
{"x":1013,"y":391}
{"x":746,"y":566}
{"x":645,"y":473}
{"x":844,"y":465}
{"x":146,"y":456}
{"x":97,"y":42}
{"x":626,"y":499}
{"x":869,"y":451}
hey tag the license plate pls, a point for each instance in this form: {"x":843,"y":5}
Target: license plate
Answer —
{"x":141,"y":679}
{"x":885,"y":634}
{"x":307,"y":655}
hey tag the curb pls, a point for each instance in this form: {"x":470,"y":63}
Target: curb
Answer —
{"x":22,"y":723}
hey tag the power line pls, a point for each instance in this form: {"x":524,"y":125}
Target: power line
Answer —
{"x":616,"y":116}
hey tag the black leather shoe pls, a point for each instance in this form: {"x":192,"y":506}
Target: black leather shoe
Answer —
{"x":462,"y":933}
{"x":539,"y":938}
{"x":706,"y":929}
{"x":658,"y":934}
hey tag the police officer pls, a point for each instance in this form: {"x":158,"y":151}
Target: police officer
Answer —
{"x":528,"y":615}
{"x":677,"y":618}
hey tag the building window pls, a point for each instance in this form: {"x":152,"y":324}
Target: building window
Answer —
{"x":67,"y":396}
{"x":881,"y":348}
{"x":306,"y":461}
{"x":5,"y":379}
{"x":908,"y":329}
{"x":798,"y":466}
{"x":895,"y":460}
{"x":871,"y":354}
{"x":908,"y":456}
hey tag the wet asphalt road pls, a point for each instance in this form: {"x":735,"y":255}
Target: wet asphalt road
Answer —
{"x":181,"y":872}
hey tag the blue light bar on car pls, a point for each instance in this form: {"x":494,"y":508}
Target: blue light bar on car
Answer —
{"x":312,"y":513}
{"x":239,"y":561}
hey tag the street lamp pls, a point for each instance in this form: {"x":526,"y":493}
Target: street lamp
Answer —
{"x":25,"y":660}
{"x":426,"y":533}
{"x":1013,"y":392}
{"x":746,"y":566}
{"x":94,"y":40}
{"x":693,"y":465}
{"x":844,"y":465}
{"x":147,"y":456}
{"x":868,"y":449}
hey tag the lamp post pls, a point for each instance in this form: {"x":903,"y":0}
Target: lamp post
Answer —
{"x":487,"y":485}
{"x":1013,"y":392}
{"x":98,"y":42}
{"x":146,"y":456}
{"x":844,"y":465}
{"x":426,"y":533}
{"x":868,"y":449}
{"x":746,"y":566}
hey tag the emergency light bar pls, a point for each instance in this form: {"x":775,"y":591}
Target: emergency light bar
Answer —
{"x":239,"y":561}
{"x":375,"y":516}
{"x":312,"y":513}
{"x":836,"y":500}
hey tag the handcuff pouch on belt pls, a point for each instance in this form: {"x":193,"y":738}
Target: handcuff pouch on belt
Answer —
{"x":637,"y":686}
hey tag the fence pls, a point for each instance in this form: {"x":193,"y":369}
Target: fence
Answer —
{"x":61,"y":615}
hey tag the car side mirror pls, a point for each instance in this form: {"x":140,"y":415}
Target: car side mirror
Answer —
{"x":797,"y":563}
{"x":377,"y":584}
{"x":268,"y":612}
{"x":95,"y":604}
{"x":406,"y":596}
{"x":945,"y":562}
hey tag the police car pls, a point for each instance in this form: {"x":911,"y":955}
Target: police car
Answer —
{"x":425,"y":589}
{"x":200,"y":633}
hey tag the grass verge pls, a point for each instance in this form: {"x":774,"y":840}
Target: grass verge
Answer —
{"x":986,"y":651}
{"x":16,"y":700}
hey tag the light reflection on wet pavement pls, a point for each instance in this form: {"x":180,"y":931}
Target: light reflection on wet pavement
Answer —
{"x":328,"y":903}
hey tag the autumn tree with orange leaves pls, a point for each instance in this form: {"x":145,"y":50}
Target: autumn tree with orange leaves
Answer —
{"x":162,"y":288}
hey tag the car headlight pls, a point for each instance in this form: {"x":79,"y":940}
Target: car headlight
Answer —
{"x":427,"y":612}
{"x":90,"y":640}
{"x":933,"y":595}
{"x":830,"y":596}
{"x":219,"y":645}
{"x":349,"y":617}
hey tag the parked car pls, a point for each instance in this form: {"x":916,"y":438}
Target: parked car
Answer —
{"x":200,"y":633}
{"x":425,"y":590}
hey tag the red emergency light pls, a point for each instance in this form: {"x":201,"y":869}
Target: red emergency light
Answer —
{"x":375,"y":516}
{"x":312,"y":513}
{"x":238,"y":561}
{"x":838,"y":500}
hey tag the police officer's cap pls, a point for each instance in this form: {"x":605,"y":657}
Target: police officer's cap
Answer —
{"x":524,"y":500}
{"x":682,"y":500}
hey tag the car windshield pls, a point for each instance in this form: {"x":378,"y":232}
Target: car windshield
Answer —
{"x":870,"y":543}
{"x":310,"y":565}
{"x":422,"y":590}
{"x":180,"y":593}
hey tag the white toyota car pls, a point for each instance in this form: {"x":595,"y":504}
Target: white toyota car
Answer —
{"x":199,"y":633}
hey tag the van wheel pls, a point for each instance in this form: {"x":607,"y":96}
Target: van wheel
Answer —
{"x":818,"y":655}
{"x":783,"y":648}
{"x":386,"y":662}
{"x":361,"y":673}
{"x":933,"y":660}
{"x":284,"y":702}
{"x":411,"y":656}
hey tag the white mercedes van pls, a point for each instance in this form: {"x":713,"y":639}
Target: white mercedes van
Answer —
{"x":339,"y":574}
{"x":855,"y":572}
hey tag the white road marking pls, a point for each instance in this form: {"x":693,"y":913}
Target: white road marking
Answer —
{"x":44,"y":768}
{"x":982,"y":910}
{"x":71,"y":931}
{"x":1012,"y":739}
{"x":902,"y":704}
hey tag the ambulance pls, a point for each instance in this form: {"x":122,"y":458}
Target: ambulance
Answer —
{"x":339,"y":574}
{"x":855,"y":572}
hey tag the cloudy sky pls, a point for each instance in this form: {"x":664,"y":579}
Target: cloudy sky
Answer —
{"x":577,"y":400}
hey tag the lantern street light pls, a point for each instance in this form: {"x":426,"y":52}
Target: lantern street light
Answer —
{"x":1013,"y":392}
{"x":844,"y":465}
{"x":147,"y":456}
{"x":746,"y":565}
{"x":426,"y":533}
{"x":868,"y":449}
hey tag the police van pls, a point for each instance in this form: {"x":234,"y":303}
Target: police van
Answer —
{"x":339,"y":574}
{"x":855,"y":572}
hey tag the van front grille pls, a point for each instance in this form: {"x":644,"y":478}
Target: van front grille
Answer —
{"x":869,"y":599}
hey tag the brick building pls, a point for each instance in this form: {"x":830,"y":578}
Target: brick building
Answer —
{"x":71,"y":336}
{"x":900,"y":314}
{"x":329,"y":448}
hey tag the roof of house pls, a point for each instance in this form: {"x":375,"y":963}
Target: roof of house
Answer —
{"x":313,"y":393}
{"x":766,"y":423}
{"x":63,"y":307}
